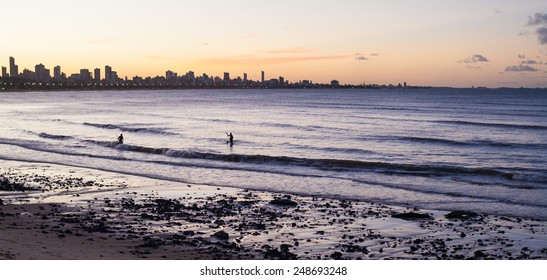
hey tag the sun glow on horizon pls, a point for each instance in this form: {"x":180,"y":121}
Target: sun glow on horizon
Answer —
{"x":422,"y":43}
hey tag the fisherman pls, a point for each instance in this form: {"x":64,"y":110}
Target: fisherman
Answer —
{"x":120,"y":139}
{"x":230,"y":139}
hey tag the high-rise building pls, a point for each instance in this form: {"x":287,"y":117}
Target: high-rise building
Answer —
{"x":108,"y":74}
{"x":281,"y":80}
{"x":113,"y":77}
{"x":97,"y":74}
{"x":262,"y":80}
{"x":4,"y":72}
{"x":85,"y":76}
{"x":41,"y":74}
{"x":245,"y":77}
{"x":57,"y":73}
{"x":226,"y":76}
{"x":13,"y":68}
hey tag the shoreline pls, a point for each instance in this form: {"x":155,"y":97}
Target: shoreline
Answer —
{"x":77,"y":213}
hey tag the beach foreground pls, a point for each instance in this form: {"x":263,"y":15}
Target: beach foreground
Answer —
{"x":56,"y":212}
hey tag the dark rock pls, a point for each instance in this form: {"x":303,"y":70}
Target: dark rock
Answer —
{"x":336,"y":255}
{"x":463,"y":215}
{"x":284,"y":202}
{"x":480,"y":254}
{"x":222,"y":235}
{"x":412,"y":216}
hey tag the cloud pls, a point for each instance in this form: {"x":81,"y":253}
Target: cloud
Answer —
{"x":474,"y":59}
{"x":361,"y":58}
{"x":529,"y":61}
{"x":474,"y":67}
{"x":524,"y":33}
{"x":521,"y":56}
{"x":520,"y":68}
{"x":537,"y":19}
{"x":542,"y":35}
{"x":497,"y":11}
{"x":374,"y":54}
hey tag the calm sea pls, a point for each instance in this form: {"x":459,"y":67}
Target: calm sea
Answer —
{"x":479,"y":150}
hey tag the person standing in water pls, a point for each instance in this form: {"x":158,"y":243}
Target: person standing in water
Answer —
{"x":230,"y":138}
{"x":120,"y":139}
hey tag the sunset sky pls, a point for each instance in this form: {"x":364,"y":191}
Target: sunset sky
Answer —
{"x":464,"y":43}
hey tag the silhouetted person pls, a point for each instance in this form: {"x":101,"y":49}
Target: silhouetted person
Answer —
{"x":120,"y":139}
{"x":230,"y":138}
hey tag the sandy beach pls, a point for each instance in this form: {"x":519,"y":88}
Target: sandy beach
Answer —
{"x":55,"y":212}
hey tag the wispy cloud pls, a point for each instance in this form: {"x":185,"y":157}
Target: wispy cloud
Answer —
{"x":520,"y":68}
{"x":521,"y":56}
{"x":362,"y":56}
{"x":529,"y":61}
{"x":537,"y":19}
{"x":474,"y":59}
{"x":542,"y":35}
{"x":540,"y":20}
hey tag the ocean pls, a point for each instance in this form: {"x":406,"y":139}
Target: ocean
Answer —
{"x":481,"y":150}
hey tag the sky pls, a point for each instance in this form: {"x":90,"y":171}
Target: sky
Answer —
{"x":499,"y":43}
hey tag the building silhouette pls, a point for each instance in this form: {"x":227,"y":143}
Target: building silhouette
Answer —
{"x":108,"y":74}
{"x":57,"y":73}
{"x":97,"y":74}
{"x":13,"y":68}
{"x":262,"y":80}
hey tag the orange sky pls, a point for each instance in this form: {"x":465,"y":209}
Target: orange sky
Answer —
{"x":440,"y":43}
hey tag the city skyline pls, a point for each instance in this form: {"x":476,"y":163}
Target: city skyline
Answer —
{"x":463,"y":44}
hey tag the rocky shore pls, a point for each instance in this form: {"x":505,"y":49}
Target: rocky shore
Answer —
{"x":56,"y":212}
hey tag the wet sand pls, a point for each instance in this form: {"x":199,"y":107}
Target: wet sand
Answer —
{"x":57,"y":212}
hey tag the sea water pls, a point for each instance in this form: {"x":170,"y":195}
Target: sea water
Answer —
{"x":480,"y":150}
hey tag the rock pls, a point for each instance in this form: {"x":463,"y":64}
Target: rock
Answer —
{"x":464,"y":215}
{"x":480,"y":254}
{"x":412,"y":216}
{"x":284,"y":202}
{"x":222,"y":235}
{"x":336,"y":255}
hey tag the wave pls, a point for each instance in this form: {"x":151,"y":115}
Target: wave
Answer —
{"x":502,"y":125}
{"x":130,"y":129}
{"x":322,"y":164}
{"x":471,"y":143}
{"x":53,"y":136}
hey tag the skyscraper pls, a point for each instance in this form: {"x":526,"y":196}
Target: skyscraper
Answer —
{"x":262,"y":76}
{"x":41,"y":73}
{"x":108,"y":74}
{"x":97,"y":74}
{"x":57,"y":73}
{"x":226,"y":76}
{"x":4,"y":72}
{"x":245,"y":77}
{"x":13,"y":69}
